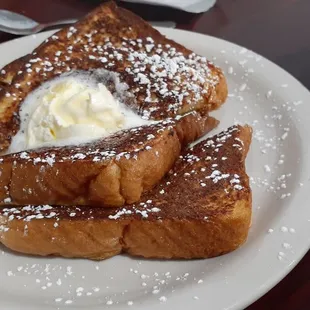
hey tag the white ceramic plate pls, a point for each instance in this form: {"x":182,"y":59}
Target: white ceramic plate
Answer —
{"x":277,"y":106}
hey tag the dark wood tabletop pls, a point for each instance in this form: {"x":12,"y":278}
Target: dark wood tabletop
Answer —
{"x":276,"y":29}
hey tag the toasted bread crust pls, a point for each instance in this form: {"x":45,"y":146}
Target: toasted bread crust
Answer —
{"x":109,"y":172}
{"x":164,"y":78}
{"x":201,"y":209}
{"x":9,"y":71}
{"x":101,"y":239}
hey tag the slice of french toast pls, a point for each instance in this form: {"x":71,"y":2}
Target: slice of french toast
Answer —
{"x":164,"y":78}
{"x":107,"y":172}
{"x":202,"y":208}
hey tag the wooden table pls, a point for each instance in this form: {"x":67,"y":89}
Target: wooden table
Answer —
{"x":276,"y":29}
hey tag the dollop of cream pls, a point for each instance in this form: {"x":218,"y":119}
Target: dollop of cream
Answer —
{"x":72,"y":109}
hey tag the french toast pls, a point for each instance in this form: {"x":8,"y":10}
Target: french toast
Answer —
{"x":201,"y":209}
{"x":164,"y":78}
{"x":110,"y":171}
{"x":163,"y":81}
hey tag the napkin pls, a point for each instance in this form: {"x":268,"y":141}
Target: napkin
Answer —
{"x":193,"y":6}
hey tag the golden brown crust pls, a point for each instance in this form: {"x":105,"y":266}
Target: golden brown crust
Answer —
{"x":163,"y":77}
{"x":9,"y":71}
{"x":186,"y":239}
{"x":108,"y":172}
{"x":201,"y":209}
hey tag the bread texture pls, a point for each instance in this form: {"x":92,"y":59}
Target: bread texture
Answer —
{"x":9,"y":71}
{"x":107,"y":172}
{"x":201,"y":209}
{"x":163,"y":78}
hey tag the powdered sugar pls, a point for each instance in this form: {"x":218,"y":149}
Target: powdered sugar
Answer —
{"x":266,"y":149}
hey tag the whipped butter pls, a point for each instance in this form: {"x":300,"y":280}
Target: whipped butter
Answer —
{"x":70,"y":110}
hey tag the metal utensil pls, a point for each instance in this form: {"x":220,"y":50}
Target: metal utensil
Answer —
{"x":22,"y":25}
